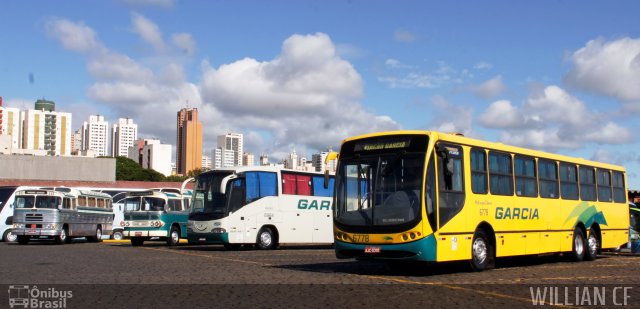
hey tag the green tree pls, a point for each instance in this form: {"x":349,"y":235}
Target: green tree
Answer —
{"x":127,"y":169}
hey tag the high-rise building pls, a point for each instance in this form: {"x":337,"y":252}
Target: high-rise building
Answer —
{"x":222,"y":158}
{"x":206,"y":162}
{"x":95,"y":135}
{"x":76,"y":142}
{"x":248,"y":159}
{"x":10,"y":125}
{"x":123,"y":134}
{"x":151,"y":154}
{"x":264,"y":159}
{"x":233,"y":142}
{"x":45,"y":129}
{"x":189,"y":141}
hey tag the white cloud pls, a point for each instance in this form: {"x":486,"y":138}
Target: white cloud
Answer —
{"x":553,"y":119}
{"x":501,"y":114}
{"x":441,"y":76}
{"x":610,"y":68}
{"x":396,"y":64}
{"x":184,"y":42}
{"x":483,"y":65}
{"x":490,"y":88}
{"x":148,"y":31}
{"x":404,"y":36}
{"x":450,"y":118}
{"x":307,"y":97}
{"x":75,"y":37}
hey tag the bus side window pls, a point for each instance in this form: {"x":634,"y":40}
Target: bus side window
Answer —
{"x":260,"y":184}
{"x":500,"y":173}
{"x":318,"y":186}
{"x":568,"y":181}
{"x":478,"y":171}
{"x":548,"y":178}
{"x":604,"y":185}
{"x":619,"y":192}
{"x":587,"y":184}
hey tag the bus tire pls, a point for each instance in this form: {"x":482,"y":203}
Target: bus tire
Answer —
{"x":23,"y":240}
{"x":63,"y":237}
{"x":266,"y":239}
{"x":9,"y":237}
{"x":174,"y":237}
{"x":117,"y":235}
{"x":481,"y":251}
{"x":593,"y":245}
{"x":97,"y":237}
{"x":578,"y":245}
{"x":137,"y":241}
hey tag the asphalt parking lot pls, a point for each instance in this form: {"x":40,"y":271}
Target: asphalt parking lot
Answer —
{"x":108,"y":274}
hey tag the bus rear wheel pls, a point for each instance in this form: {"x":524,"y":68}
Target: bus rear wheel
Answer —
{"x":266,"y":239}
{"x":482,"y":254}
{"x":98,"y":237}
{"x":578,"y":247}
{"x":593,"y":245}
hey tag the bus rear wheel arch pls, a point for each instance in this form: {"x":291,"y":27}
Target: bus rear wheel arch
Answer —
{"x":267,"y":238}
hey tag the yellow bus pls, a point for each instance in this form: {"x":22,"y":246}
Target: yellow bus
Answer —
{"x":430,"y":196}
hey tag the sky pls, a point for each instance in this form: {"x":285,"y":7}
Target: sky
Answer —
{"x":557,"y":76}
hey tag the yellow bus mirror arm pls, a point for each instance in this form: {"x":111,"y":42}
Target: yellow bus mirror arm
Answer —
{"x":331,"y":156}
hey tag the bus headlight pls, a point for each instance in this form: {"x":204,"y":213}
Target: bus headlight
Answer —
{"x":50,"y":226}
{"x":122,"y":223}
{"x":126,"y":223}
{"x":157,"y":223}
{"x":18,"y":225}
{"x":219,"y":230}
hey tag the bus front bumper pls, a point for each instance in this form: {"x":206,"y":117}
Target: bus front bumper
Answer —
{"x":133,"y":232}
{"x":35,"y":232}
{"x":207,"y":238}
{"x":420,"y":250}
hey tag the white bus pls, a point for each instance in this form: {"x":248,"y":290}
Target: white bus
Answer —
{"x":61,"y":214}
{"x":7,"y":196}
{"x":265,"y":206}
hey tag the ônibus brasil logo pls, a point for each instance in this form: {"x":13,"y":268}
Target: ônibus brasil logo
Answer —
{"x":24,"y":296}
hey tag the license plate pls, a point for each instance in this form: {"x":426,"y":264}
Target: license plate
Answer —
{"x":32,"y":232}
{"x":372,"y":249}
{"x":138,"y":233}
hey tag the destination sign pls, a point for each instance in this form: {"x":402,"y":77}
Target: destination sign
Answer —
{"x":383,"y":144}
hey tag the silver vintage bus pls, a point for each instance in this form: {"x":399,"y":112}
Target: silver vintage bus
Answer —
{"x":61,"y":214}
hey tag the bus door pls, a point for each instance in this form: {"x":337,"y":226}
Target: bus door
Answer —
{"x":450,"y":202}
{"x":236,"y":192}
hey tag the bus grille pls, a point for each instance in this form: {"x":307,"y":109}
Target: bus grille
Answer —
{"x":33,"y":218}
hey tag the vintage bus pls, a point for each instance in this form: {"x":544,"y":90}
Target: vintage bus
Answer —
{"x":154,"y":214}
{"x":429,"y":196}
{"x":61,"y":214}
{"x":7,"y":196}
{"x":265,"y":206}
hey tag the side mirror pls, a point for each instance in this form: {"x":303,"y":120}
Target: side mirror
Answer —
{"x":326,"y":179}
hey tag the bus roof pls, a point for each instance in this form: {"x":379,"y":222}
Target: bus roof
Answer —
{"x":242,"y":169}
{"x":459,"y":139}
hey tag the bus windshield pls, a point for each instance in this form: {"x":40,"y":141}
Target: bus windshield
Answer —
{"x":381,"y":190}
{"x":27,"y":201}
{"x":5,"y":194}
{"x":207,"y":200}
{"x":144,"y":204}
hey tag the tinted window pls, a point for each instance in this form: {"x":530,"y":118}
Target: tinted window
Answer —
{"x":587,"y":184}
{"x":318,"y":186}
{"x":619,"y":192}
{"x":548,"y":178}
{"x":450,"y":182}
{"x":260,"y":184}
{"x":604,"y":186}
{"x":525,"y":172}
{"x":568,"y":181}
{"x":478,"y":171}
{"x":501,"y":174}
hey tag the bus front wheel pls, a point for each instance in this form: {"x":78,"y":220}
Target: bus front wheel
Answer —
{"x":174,"y":237}
{"x":481,"y":251}
{"x":63,"y":237}
{"x":9,"y":237}
{"x":266,"y":239}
